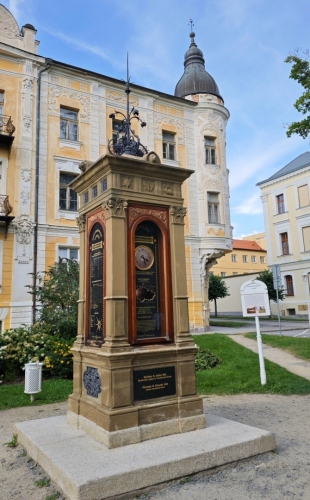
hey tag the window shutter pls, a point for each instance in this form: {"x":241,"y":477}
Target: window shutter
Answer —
{"x":306,"y":237}
{"x":303,"y":195}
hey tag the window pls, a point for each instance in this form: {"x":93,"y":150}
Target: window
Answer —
{"x":104,"y":185}
{"x":68,"y":253}
{"x":210,"y":151}
{"x":117,"y":126}
{"x":244,"y":258}
{"x":233,"y":257}
{"x":280,"y":204}
{"x":289,"y":285}
{"x":1,"y":102}
{"x":284,"y":243}
{"x":213,"y":208}
{"x":253,"y":259}
{"x":169,"y":146}
{"x":67,"y":197}
{"x":95,"y":191}
{"x":262,"y":260}
{"x":68,"y":124}
{"x":86,"y":197}
{"x":303,"y":196}
{"x":306,"y":238}
{"x":223,"y":274}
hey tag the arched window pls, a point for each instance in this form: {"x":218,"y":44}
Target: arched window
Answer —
{"x":289,"y":285}
{"x":95,"y":332}
{"x":149,"y":276}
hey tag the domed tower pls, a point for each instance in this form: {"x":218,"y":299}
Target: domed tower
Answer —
{"x":210,"y":234}
{"x":195,"y":79}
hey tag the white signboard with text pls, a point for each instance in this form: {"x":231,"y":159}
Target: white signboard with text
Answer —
{"x":254,"y":299}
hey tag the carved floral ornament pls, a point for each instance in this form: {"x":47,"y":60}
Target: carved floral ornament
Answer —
{"x":117,"y":96}
{"x":160,"y":120}
{"x":115,"y":207}
{"x":135,"y":212}
{"x":54,"y":108}
{"x":81,"y":222}
{"x":178,"y":214}
{"x":98,"y":216}
{"x":28,"y":84}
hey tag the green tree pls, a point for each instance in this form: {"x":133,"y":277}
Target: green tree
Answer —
{"x":267,"y":278}
{"x":217,"y":289}
{"x":300,"y":72}
{"x":57,"y":293}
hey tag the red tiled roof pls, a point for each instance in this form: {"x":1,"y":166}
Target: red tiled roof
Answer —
{"x":247,"y":245}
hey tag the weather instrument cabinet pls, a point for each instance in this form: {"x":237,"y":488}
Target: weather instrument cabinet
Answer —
{"x":134,"y":358}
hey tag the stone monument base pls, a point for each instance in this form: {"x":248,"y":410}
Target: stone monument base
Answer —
{"x":136,"y":434}
{"x":85,"y":469}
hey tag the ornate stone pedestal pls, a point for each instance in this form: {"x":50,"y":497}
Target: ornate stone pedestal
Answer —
{"x":134,"y":359}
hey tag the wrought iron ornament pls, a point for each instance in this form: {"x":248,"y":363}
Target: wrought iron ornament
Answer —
{"x":125,"y":140}
{"x":92,"y":382}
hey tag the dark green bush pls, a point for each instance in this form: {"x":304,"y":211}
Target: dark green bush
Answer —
{"x":205,"y":360}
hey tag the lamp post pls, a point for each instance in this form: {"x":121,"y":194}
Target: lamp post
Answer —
{"x":305,"y":278}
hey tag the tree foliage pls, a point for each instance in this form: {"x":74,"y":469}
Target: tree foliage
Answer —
{"x":267,"y":278}
{"x":217,"y":289}
{"x":57,"y":293}
{"x":300,"y":72}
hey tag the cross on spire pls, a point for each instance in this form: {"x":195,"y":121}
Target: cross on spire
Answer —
{"x":191,"y":24}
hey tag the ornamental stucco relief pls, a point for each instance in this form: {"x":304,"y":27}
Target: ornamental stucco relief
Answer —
{"x":57,"y":92}
{"x":160,"y":119}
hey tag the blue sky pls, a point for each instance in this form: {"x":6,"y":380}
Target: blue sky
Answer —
{"x":244,"y":43}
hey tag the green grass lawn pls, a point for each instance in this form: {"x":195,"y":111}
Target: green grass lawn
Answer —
{"x":229,"y":324}
{"x":239,"y":372}
{"x":53,"y":391}
{"x":299,"y":347}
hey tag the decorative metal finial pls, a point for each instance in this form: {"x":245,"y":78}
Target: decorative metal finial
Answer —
{"x":191,"y":24}
{"x":125,"y":141}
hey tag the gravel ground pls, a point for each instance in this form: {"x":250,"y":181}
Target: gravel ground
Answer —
{"x":284,"y":474}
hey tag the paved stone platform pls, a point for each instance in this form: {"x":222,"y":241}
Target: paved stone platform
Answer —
{"x":85,"y":469}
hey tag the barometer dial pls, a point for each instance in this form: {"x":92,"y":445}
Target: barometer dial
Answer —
{"x":144,"y":257}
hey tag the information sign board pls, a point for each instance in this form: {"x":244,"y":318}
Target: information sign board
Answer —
{"x":254,"y":299}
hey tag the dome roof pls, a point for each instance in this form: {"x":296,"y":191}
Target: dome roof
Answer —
{"x":29,"y":26}
{"x":195,"y":79}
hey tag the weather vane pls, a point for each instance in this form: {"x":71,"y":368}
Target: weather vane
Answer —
{"x":125,"y":141}
{"x":191,"y":24}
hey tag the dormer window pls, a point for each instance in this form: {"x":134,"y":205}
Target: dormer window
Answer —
{"x":210,"y":151}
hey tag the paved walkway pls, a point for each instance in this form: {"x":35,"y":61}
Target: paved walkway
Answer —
{"x":278,"y":356}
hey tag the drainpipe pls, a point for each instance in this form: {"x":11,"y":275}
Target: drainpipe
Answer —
{"x":36,"y":196}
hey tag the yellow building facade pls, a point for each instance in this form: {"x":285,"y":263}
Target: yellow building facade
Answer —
{"x":246,"y":257}
{"x":286,"y":203}
{"x":60,"y":116}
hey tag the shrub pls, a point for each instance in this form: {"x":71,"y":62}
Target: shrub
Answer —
{"x":205,"y":360}
{"x":23,"y":345}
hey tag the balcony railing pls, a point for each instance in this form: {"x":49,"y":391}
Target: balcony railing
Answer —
{"x":5,"y":206}
{"x":6,"y":125}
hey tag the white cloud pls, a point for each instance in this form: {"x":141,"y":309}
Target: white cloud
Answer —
{"x":15,"y":8}
{"x":258,"y":158}
{"x":79,"y":44}
{"x":250,"y":206}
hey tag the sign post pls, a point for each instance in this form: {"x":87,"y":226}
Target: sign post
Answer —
{"x":276,"y":272}
{"x":255,"y":302}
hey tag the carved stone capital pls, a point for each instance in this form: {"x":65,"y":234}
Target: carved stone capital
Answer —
{"x":178,"y":214}
{"x":81,"y":222}
{"x":115,"y":208}
{"x":264,"y":198}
